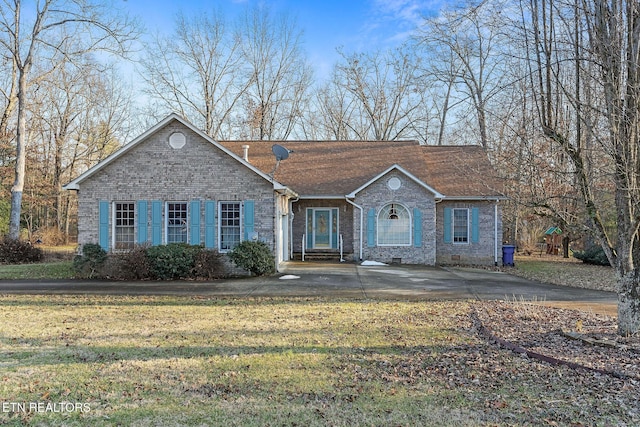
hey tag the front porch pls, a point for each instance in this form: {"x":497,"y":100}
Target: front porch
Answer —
{"x":322,"y":231}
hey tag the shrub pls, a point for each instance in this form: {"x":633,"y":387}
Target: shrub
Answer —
{"x":208,"y":265}
{"x":131,"y":265}
{"x":172,"y":261}
{"x":593,"y":255}
{"x":91,"y":260}
{"x":51,"y":236}
{"x":165,"y":262}
{"x":255,"y":257}
{"x":19,"y":252}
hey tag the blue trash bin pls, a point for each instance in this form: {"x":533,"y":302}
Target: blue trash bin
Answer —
{"x":507,"y":255}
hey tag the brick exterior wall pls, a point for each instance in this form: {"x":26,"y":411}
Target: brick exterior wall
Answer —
{"x":410,"y":195}
{"x":480,"y":253}
{"x":153,"y":170}
{"x":345,"y":221}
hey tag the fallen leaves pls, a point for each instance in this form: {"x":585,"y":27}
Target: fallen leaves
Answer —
{"x":599,"y":368}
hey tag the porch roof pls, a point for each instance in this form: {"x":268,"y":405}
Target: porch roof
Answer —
{"x":325,"y":168}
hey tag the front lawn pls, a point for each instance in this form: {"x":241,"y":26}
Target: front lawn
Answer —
{"x":36,"y":271}
{"x":175,"y":361}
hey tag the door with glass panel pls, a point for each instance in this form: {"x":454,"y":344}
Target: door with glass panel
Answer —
{"x":322,"y":228}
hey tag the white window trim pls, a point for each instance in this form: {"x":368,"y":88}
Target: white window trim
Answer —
{"x":377,"y":223}
{"x":453,"y":226}
{"x":113,"y":224}
{"x":166,"y":220}
{"x":219,"y":224}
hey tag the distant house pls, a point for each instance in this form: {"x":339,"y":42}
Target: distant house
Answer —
{"x":383,"y":201}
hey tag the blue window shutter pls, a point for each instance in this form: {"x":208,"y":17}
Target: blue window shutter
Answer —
{"x":143,"y":232}
{"x":417,"y":228}
{"x":249,"y":208}
{"x":156,"y":222}
{"x":475,"y":225}
{"x":103,"y":232}
{"x":210,"y":224}
{"x":447,"y":225}
{"x":371,"y":228}
{"x":194,"y":222}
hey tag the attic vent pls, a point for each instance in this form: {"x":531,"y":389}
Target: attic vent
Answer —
{"x":177,"y":140}
{"x":394,"y":183}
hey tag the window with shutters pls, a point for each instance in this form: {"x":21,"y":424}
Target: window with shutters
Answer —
{"x":230,"y":225}
{"x":177,"y":222}
{"x":124,"y":224}
{"x":461,"y":226}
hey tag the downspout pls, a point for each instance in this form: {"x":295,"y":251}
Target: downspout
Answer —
{"x":361,"y":224}
{"x":276,"y":229}
{"x":291,"y":215}
{"x":495,"y":245}
{"x":437,"y":245}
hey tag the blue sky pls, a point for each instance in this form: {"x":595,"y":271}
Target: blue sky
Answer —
{"x":358,"y":25}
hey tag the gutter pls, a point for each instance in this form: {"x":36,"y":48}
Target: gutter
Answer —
{"x":474,"y":198}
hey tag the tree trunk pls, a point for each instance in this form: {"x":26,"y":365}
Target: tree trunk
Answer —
{"x":629,"y":303}
{"x":565,"y":247}
{"x":21,"y":157}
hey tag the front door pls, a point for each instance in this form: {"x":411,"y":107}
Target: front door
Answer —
{"x":322,"y":228}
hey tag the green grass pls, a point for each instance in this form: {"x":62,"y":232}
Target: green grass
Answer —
{"x":255,"y":362}
{"x":47,"y":270}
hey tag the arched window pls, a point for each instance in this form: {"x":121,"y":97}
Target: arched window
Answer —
{"x":394,"y":225}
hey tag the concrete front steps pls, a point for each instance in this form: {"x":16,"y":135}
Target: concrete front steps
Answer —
{"x":321,"y":256}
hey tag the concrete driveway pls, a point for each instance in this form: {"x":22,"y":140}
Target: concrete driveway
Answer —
{"x":297,"y":279}
{"x":438,"y":283}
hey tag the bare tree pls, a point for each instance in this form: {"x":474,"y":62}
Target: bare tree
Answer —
{"x":278,"y":72}
{"x":9,"y":91}
{"x":332,"y":118}
{"x":92,"y":25}
{"x":465,"y":48}
{"x":443,"y":94}
{"x":198,"y":71}
{"x":71,"y":102}
{"x":587,"y":55}
{"x":615,"y":36}
{"x":384,"y":93}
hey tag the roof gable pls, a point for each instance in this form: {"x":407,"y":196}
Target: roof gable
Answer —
{"x":75,"y":184}
{"x":401,"y":170}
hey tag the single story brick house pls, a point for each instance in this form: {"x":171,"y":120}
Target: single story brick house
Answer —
{"x":377,"y":200}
